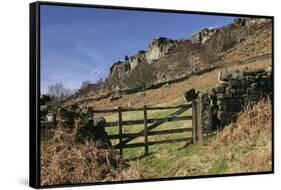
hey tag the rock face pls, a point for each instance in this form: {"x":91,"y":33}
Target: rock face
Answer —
{"x":157,"y":48}
{"x":118,"y":73}
{"x":135,"y":60}
{"x":202,"y":36}
{"x":244,"y":21}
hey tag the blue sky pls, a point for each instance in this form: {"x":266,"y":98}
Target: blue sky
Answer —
{"x":79,"y":44}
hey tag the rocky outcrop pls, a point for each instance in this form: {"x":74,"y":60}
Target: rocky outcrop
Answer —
{"x":159,"y":47}
{"x":202,"y":36}
{"x":118,"y":73}
{"x":166,"y":59}
{"x":244,"y":21}
{"x":135,"y":60}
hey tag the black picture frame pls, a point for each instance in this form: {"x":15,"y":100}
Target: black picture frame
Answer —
{"x":34,"y":93}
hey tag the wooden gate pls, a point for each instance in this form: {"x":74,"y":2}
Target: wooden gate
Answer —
{"x":149,"y":125}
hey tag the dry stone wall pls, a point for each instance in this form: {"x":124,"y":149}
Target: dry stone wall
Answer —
{"x":220,"y":105}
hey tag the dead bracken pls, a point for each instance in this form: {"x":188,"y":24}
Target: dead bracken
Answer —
{"x":65,"y":161}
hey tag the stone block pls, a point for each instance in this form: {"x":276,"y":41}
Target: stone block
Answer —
{"x":265,"y":77}
{"x":226,"y":108}
{"x":241,"y":77}
{"x":227,"y":90}
{"x":245,"y":83}
{"x":238,"y":76}
{"x":223,"y":96}
{"x":254,"y":85}
{"x":223,"y":85}
{"x":99,"y":122}
{"x":230,"y":102}
{"x":211,"y":92}
{"x":226,"y":77}
{"x":219,"y":89}
{"x":235,"y":83}
{"x":253,"y":91}
{"x":249,"y":73}
{"x":263,"y":82}
{"x":226,"y":116}
{"x":190,"y":95}
{"x":258,"y":76}
{"x":265,"y":89}
{"x":251,"y":78}
{"x":237,"y":91}
{"x":259,"y":70}
{"x":236,"y":95}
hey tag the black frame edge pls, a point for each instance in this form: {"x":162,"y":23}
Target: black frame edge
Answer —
{"x":34,"y":141}
{"x":273,"y":96}
{"x":85,"y":5}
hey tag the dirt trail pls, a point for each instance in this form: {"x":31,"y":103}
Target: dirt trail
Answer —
{"x":173,"y":91}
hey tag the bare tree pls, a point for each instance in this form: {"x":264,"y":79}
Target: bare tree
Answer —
{"x":58,"y":92}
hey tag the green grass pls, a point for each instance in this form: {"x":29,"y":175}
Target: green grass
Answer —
{"x":151,"y":114}
{"x":172,"y":159}
{"x":218,"y":166}
{"x":164,"y":160}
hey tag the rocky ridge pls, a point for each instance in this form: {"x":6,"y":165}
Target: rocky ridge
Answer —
{"x":167,"y":59}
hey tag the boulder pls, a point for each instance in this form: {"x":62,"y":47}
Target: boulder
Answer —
{"x":99,"y":122}
{"x":92,"y":129}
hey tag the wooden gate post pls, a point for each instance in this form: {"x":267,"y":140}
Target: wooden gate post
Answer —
{"x":194,"y":121}
{"x":120,"y":129}
{"x":145,"y":130}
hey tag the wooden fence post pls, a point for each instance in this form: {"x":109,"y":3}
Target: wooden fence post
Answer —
{"x":199,"y":119}
{"x":145,"y":130}
{"x":194,"y":121}
{"x":120,"y":129}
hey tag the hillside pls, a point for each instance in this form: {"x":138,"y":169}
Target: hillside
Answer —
{"x":170,"y":93}
{"x":231,"y":151}
{"x":244,"y":40}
